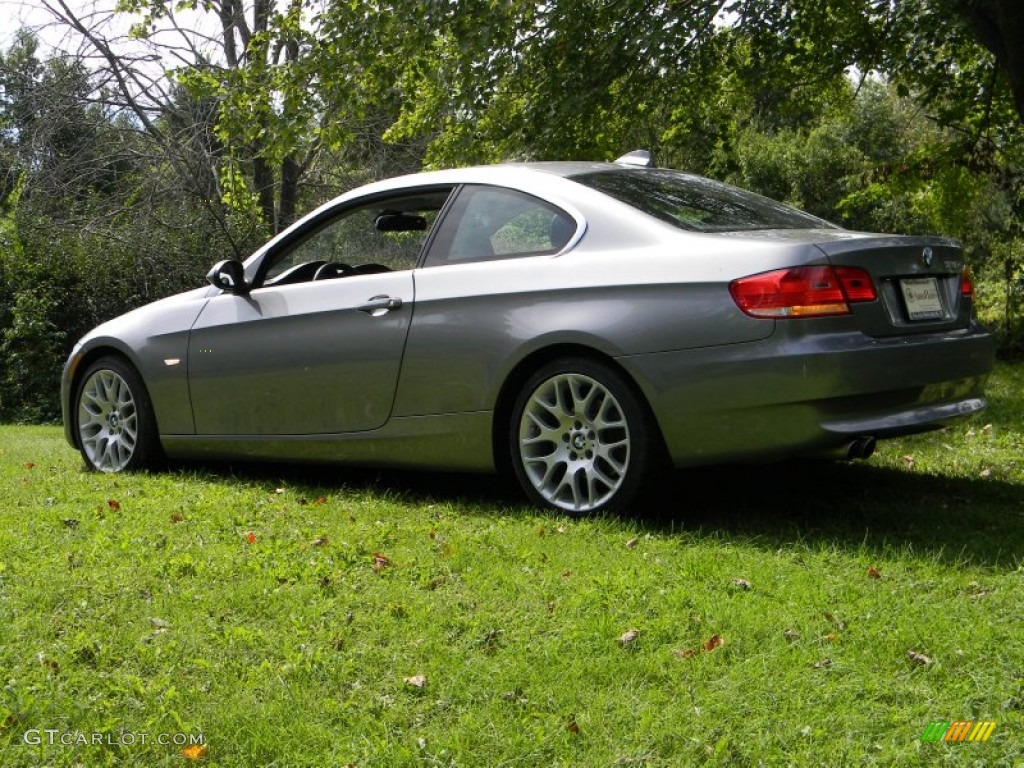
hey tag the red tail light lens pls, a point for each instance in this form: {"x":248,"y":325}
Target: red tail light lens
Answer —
{"x":966,"y":284}
{"x":856,"y":284}
{"x":802,"y":291}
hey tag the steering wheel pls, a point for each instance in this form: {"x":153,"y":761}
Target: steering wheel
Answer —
{"x":331,"y":270}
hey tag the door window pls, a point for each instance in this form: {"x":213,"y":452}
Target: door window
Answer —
{"x":384,"y":236}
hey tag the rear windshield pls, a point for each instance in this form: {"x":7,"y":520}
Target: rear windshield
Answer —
{"x":695,"y":203}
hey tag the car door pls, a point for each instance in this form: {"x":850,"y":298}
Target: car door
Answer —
{"x":316,"y":346}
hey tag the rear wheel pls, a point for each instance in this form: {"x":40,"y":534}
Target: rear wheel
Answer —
{"x":115,"y":421}
{"x":581,"y":441}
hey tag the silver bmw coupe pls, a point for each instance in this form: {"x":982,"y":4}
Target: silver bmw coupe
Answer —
{"x":580,"y":325}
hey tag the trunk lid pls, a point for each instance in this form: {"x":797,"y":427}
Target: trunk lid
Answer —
{"x":918,"y":281}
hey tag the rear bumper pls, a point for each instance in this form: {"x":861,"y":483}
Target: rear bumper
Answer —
{"x":788,"y":395}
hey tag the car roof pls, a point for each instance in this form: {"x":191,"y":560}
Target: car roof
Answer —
{"x":500,"y":173}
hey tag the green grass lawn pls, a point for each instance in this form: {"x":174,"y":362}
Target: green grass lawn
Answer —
{"x":332,"y":617}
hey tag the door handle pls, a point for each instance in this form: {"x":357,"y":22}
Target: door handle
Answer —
{"x":380,"y":305}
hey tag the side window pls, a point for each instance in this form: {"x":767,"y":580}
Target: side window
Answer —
{"x":494,"y":223}
{"x":383,"y":236}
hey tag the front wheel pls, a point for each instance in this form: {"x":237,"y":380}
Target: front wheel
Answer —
{"x":115,"y":421}
{"x":581,"y":441}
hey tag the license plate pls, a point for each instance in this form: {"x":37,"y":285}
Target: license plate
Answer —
{"x":921,"y":295}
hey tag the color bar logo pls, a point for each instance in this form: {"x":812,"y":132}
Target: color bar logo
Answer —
{"x":962,"y":730}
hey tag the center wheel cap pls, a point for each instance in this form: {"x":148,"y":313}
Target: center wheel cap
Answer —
{"x":579,"y":442}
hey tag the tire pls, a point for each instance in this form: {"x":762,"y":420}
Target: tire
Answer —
{"x":114,"y":420}
{"x":581,"y":442}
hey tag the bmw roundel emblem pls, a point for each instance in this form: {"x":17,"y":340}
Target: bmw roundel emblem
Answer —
{"x":927,"y":256}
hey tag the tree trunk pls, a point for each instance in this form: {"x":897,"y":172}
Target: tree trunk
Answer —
{"x":999,"y":26}
{"x":263,"y":178}
{"x":290,"y":174}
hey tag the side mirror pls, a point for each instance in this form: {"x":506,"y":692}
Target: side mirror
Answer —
{"x":229,"y":276}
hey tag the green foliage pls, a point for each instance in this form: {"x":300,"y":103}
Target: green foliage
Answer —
{"x":31,"y":345}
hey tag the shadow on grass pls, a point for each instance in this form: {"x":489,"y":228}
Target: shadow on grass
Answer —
{"x":953,"y":520}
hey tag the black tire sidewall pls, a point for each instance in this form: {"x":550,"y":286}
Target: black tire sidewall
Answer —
{"x":642,"y":432}
{"x":148,"y":452}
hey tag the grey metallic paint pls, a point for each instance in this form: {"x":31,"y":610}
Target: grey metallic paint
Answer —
{"x":300,"y":372}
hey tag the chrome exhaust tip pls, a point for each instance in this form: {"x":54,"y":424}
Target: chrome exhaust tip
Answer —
{"x":861,"y":448}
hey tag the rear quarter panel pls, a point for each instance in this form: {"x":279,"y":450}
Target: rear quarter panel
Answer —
{"x":473,"y":323}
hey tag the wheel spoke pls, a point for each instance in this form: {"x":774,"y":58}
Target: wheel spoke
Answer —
{"x":574,"y":442}
{"x":108,"y":421}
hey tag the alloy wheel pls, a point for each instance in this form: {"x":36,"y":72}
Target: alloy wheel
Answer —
{"x":108,"y":423}
{"x":574,"y":442}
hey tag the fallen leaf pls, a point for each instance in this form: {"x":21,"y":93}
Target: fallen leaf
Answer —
{"x":114,"y":504}
{"x":416,"y":681}
{"x":566,"y":574}
{"x":987,"y":428}
{"x":250,"y":537}
{"x":823,"y":664}
{"x":177,"y":517}
{"x":571,"y":726}
{"x":831,"y":637}
{"x":684,"y":653}
{"x":632,"y":543}
{"x":28,"y":465}
{"x":321,"y":542}
{"x":320,"y":500}
{"x":278,"y":491}
{"x":380,"y":562}
{"x":713,"y":642}
{"x":919,"y":658}
{"x":159,"y":625}
{"x":194,"y":751}
{"x":791,"y":635}
{"x":629,"y":637}
{"x":985,"y":473}
{"x":874,"y":573}
{"x":741,"y":583}
{"x":50,"y":664}
{"x":908,"y":460}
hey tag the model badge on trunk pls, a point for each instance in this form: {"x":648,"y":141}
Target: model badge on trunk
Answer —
{"x":927,"y":257}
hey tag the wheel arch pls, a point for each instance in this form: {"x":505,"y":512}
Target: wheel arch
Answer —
{"x":86,"y":359}
{"x":522,"y":371}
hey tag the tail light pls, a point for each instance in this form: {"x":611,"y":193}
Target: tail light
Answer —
{"x":966,"y":284}
{"x":802,"y":291}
